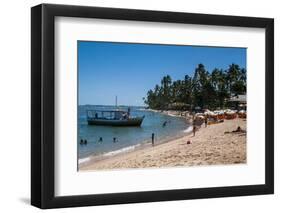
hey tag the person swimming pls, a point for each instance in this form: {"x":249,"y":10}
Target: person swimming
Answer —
{"x":114,"y":140}
{"x":82,"y":142}
{"x":100,"y":139}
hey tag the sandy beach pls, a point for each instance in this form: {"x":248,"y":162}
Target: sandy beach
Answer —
{"x":210,"y":146}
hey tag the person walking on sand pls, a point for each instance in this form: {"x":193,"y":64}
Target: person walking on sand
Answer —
{"x":194,"y":127}
{"x":206,"y":121}
{"x":194,"y":130}
{"x":152,"y":139}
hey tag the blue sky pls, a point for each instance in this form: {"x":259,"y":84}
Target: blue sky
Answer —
{"x":107,"y":69}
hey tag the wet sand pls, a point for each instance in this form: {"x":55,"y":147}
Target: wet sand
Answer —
{"x":210,"y":146}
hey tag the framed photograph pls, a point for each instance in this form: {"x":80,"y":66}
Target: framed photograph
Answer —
{"x":139,"y":106}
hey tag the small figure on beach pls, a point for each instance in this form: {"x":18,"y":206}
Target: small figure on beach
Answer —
{"x":206,"y":121}
{"x":238,"y":130}
{"x":188,"y":142}
{"x":100,"y":139}
{"x":114,"y":140}
{"x":152,"y":139}
{"x":164,"y":124}
{"x":193,"y":127}
{"x":194,"y":130}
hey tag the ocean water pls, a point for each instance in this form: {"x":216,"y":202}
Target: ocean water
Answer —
{"x":127,"y":137}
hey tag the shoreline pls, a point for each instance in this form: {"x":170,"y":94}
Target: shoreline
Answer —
{"x":141,"y":145}
{"x":173,"y":113}
{"x":126,"y":150}
{"x":210,"y":146}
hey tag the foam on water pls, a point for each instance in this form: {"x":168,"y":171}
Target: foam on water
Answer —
{"x":189,"y":129}
{"x":83,"y":160}
{"x":123,"y":150}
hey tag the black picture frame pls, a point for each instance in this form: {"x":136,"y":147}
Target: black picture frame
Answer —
{"x":43,"y":110}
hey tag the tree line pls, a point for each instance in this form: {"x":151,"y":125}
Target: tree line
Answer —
{"x":204,"y":89}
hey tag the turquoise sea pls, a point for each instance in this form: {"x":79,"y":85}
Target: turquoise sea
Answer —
{"x":128,"y":138}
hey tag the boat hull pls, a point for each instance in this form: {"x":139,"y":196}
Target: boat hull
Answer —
{"x":106,"y":122}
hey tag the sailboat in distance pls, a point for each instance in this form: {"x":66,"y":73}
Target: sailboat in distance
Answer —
{"x":113,"y":117}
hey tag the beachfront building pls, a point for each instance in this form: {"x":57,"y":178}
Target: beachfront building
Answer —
{"x":179,"y":106}
{"x":239,"y":102}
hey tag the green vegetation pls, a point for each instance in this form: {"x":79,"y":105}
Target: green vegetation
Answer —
{"x":203,"y":89}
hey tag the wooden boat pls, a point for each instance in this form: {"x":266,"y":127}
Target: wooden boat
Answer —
{"x":113,"y":118}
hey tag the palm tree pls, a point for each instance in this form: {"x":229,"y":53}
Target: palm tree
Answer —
{"x":233,"y":74}
{"x":166,"y":94}
{"x":204,"y":89}
{"x":219,"y":83}
{"x":236,"y":79}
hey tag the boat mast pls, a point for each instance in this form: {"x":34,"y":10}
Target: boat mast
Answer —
{"x":116,"y":101}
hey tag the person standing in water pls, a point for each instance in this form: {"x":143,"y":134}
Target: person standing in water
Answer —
{"x":152,"y":139}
